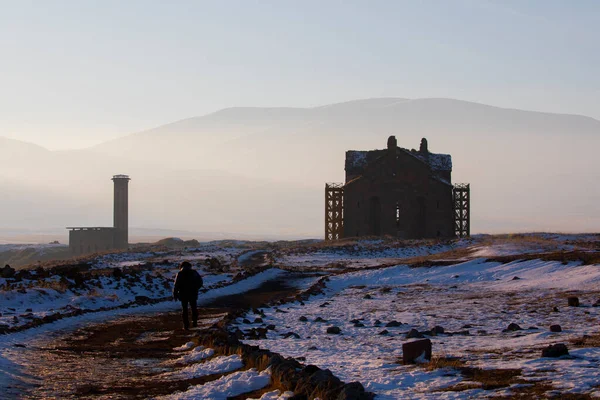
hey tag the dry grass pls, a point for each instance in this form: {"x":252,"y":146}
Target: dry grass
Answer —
{"x":443,"y":362}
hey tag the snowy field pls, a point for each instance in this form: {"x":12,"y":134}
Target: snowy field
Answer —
{"x":474,"y":302}
{"x":463,"y":296}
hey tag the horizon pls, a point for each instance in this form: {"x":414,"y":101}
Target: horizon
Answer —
{"x":160,"y":125}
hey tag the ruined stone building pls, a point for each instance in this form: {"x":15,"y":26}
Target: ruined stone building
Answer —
{"x":397,"y":192}
{"x":84,"y":240}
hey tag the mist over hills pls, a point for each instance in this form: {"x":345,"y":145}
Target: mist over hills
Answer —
{"x":262,"y":170}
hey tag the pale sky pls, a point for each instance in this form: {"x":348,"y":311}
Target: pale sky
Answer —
{"x":75,"y":73}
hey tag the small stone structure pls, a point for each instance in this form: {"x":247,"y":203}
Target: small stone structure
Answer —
{"x":85,"y":240}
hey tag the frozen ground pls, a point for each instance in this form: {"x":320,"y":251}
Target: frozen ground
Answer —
{"x":474,"y":302}
{"x":473,"y":296}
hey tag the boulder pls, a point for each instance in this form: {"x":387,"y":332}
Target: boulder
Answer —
{"x":7,"y":271}
{"x":416,"y":350}
{"x":258,"y":320}
{"x":290,"y":335}
{"x":319,"y":319}
{"x":334,"y":330}
{"x":437,"y":330}
{"x":512,"y":327}
{"x":303,"y":319}
{"x":393,"y":324}
{"x":555,"y":351}
{"x":352,"y":391}
{"x":414,"y":334}
{"x":555,"y":328}
{"x":573,"y":301}
{"x":367,"y":297}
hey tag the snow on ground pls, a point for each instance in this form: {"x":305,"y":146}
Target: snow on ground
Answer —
{"x":217,"y":365}
{"x":10,"y":355}
{"x":198,"y":354}
{"x":274,"y":395}
{"x":230,"y":385}
{"x":480,"y":297}
{"x":363,"y":254}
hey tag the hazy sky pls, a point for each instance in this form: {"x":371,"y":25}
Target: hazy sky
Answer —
{"x":75,"y":73}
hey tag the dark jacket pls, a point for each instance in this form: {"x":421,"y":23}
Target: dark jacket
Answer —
{"x":187,"y":284}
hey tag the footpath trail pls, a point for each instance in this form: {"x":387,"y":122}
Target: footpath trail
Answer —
{"x":121,"y":359}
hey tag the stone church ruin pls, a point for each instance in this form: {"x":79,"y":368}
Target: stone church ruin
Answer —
{"x":85,"y":240}
{"x":397,"y":192}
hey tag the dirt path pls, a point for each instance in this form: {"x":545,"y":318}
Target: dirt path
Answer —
{"x":121,"y":359}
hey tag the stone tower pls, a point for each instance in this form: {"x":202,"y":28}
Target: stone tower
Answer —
{"x":121,"y":211}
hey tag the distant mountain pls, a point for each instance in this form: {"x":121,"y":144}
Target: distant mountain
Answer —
{"x":262,"y":170}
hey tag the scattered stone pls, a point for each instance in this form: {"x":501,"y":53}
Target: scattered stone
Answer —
{"x":555,"y":351}
{"x":258,"y":320}
{"x":271,"y":327}
{"x":393,"y":324}
{"x":22,"y":346}
{"x":7,"y":271}
{"x":596,"y":304}
{"x":117,"y":272}
{"x":437,"y":330}
{"x":416,"y":351}
{"x":280,"y":311}
{"x":142,"y":299}
{"x":319,"y":319}
{"x":454,"y":287}
{"x":367,"y":297}
{"x":555,"y":328}
{"x":467,"y":326}
{"x":573,"y":301}
{"x":355,"y":321}
{"x":384,"y":332}
{"x":325,"y":304}
{"x":290,"y":334}
{"x":555,"y":309}
{"x":301,"y":358}
{"x":515,"y":278}
{"x":377,"y":322}
{"x":334,"y":330}
{"x":29,"y":310}
{"x":533,"y":328}
{"x":414,"y":334}
{"x":352,"y":391}
{"x":313,"y":348}
{"x":359,"y":325}
{"x":512,"y":327}
{"x":456,"y":276}
{"x":246,"y":321}
{"x":303,"y":319}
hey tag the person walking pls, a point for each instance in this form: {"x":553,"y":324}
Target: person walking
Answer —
{"x":187,"y":283}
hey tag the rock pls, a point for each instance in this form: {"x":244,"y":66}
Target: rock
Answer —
{"x":258,"y":320}
{"x":596,"y":304}
{"x":393,"y":324}
{"x":573,"y":301}
{"x":482,"y":332}
{"x":246,"y":321}
{"x":414,"y":334}
{"x":290,"y":334}
{"x":437,"y":330}
{"x":7,"y":271}
{"x":456,"y":276}
{"x":142,"y":299}
{"x":22,"y":346}
{"x":355,"y":321}
{"x":416,"y":350}
{"x":377,"y":322}
{"x":515,"y":278}
{"x":324,"y":304}
{"x":334,"y":330}
{"x":312,"y":348}
{"x":29,"y":310}
{"x":271,"y":327}
{"x":319,"y":319}
{"x":117,"y":272}
{"x":555,"y":309}
{"x":367,"y":297}
{"x":303,"y":319}
{"x":555,"y":351}
{"x":384,"y":332}
{"x":280,"y":311}
{"x":352,"y":391}
{"x":555,"y":328}
{"x":467,"y":326}
{"x":359,"y":325}
{"x":512,"y":327}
